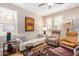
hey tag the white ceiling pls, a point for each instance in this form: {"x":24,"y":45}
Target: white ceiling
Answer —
{"x":44,"y":10}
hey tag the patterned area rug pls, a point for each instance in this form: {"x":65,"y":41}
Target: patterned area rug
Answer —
{"x":40,"y":50}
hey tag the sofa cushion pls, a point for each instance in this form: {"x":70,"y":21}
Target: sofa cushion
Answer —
{"x":55,"y":35}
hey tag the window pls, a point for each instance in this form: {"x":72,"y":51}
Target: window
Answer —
{"x":48,"y":22}
{"x":8,"y":21}
{"x":58,"y":20}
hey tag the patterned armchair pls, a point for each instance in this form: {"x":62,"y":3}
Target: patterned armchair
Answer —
{"x":54,"y":39}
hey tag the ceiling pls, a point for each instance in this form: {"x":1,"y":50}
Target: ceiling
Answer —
{"x":44,"y":10}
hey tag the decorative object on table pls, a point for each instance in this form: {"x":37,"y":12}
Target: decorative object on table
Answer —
{"x":29,"y":24}
{"x":68,"y":25}
{"x":8,"y":36}
{"x":44,"y":30}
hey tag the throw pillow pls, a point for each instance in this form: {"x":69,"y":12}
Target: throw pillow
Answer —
{"x":23,"y":38}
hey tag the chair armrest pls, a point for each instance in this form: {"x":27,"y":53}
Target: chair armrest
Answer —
{"x":61,"y":39}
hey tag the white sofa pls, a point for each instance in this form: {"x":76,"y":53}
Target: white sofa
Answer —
{"x":35,"y":42}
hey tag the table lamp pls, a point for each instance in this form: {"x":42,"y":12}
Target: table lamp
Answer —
{"x":44,"y":30}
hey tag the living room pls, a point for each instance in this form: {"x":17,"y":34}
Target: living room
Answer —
{"x":29,"y":29}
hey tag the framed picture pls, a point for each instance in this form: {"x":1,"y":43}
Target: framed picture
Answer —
{"x":68,"y":24}
{"x":29,"y":24}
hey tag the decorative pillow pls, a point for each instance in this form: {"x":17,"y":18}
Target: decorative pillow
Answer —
{"x":40,"y":35}
{"x":23,"y":38}
{"x":55,"y":35}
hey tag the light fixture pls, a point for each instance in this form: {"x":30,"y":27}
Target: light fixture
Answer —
{"x":44,"y":28}
{"x":50,"y":4}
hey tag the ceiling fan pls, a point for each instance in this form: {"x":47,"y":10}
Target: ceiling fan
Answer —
{"x":49,"y":4}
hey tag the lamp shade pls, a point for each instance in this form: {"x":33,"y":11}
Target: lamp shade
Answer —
{"x":50,"y":4}
{"x":44,"y":28}
{"x":56,"y":27}
{"x":9,"y":28}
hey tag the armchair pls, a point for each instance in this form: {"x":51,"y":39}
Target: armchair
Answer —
{"x":54,"y":39}
{"x":70,"y":40}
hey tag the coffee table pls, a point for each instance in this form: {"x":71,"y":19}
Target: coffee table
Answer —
{"x":28,"y":51}
{"x":29,"y":46}
{"x":40,"y":50}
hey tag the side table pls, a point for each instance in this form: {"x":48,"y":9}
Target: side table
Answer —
{"x":8,"y":48}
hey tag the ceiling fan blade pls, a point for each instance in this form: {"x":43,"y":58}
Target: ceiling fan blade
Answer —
{"x":59,"y":3}
{"x":41,"y":4}
{"x":50,"y":7}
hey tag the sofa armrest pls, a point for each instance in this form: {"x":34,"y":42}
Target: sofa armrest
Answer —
{"x":19,"y":41}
